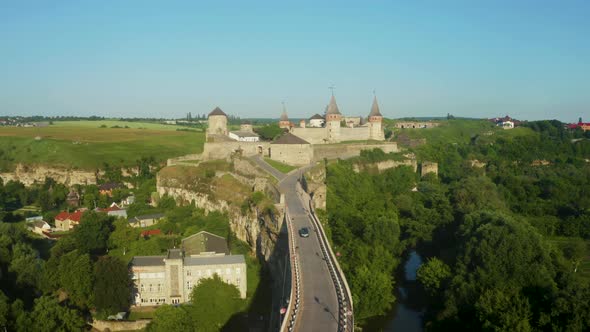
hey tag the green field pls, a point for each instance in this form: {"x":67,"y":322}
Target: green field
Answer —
{"x":83,"y":145}
{"x":112,"y":123}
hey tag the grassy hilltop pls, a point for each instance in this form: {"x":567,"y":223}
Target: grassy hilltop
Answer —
{"x":87,"y":145}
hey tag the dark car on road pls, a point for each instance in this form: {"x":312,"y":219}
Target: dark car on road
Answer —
{"x":304,"y":232}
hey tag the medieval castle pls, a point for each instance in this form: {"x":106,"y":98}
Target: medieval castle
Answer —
{"x":300,"y":145}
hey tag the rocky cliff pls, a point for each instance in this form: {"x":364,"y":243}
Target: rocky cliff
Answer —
{"x":29,"y":175}
{"x":258,"y":227}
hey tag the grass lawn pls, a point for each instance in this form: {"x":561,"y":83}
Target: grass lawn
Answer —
{"x":144,"y":314}
{"x":284,"y":168}
{"x":82,"y":145}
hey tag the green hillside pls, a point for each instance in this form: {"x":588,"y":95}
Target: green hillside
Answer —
{"x":84,"y":145}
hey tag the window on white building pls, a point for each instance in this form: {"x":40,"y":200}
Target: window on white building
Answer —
{"x":189,"y":285}
{"x":188,"y":273}
{"x":159,"y":287}
{"x":151,"y":288}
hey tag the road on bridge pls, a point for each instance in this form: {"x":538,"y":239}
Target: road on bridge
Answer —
{"x":319,"y":311}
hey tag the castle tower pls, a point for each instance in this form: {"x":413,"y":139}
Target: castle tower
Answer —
{"x":376,"y":122}
{"x":284,"y":120}
{"x":333,"y":118}
{"x":217,"y":123}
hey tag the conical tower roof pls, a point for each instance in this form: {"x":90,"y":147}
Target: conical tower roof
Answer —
{"x":332,"y":107}
{"x":217,"y":111}
{"x":375,"y":108}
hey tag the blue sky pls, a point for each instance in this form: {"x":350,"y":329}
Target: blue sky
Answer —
{"x":529,"y":59}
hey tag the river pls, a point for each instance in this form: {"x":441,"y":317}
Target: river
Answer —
{"x":406,"y":315}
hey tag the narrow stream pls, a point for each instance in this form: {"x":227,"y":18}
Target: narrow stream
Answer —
{"x":407,"y":313}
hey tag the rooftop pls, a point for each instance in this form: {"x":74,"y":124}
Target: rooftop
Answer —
{"x":217,"y":111}
{"x":204,"y":242}
{"x":214,"y":260}
{"x":241,"y":133}
{"x":147,"y":260}
{"x":289,"y":138}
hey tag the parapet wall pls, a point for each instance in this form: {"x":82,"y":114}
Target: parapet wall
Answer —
{"x":311,"y":135}
{"x":222,"y":150}
{"x":354,"y":134}
{"x":344,"y":151}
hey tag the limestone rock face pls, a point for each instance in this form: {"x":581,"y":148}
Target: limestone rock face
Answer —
{"x":315,"y":185}
{"x":259,"y":229}
{"x":29,"y":175}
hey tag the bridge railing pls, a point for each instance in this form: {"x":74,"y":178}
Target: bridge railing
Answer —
{"x":295,"y":298}
{"x":345,"y":313}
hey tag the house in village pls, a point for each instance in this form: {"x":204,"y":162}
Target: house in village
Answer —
{"x":114,"y":210}
{"x":146,"y":220}
{"x":65,"y":221}
{"x":38,"y":225}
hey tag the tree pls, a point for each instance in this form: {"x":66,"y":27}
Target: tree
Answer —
{"x":575,"y":250}
{"x":432,"y":274}
{"x":123,"y":235}
{"x":4,"y":310}
{"x":93,"y":232}
{"x":170,"y":318}
{"x":503,"y":310}
{"x":372,"y":292}
{"x":48,"y":315}
{"x":25,"y":264}
{"x":112,"y":288}
{"x":214,"y":302}
{"x":76,"y":277}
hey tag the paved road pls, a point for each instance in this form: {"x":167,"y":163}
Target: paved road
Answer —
{"x":273,"y":171}
{"x":320,"y":302}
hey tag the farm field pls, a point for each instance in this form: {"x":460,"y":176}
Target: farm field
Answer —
{"x":83,"y":145}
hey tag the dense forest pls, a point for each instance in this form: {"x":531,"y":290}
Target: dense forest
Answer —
{"x":504,"y":228}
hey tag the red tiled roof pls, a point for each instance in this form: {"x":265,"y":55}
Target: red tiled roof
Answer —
{"x":151,"y":232}
{"x":74,"y":216}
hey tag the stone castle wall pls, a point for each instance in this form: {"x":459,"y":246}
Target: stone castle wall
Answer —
{"x":354,"y":134}
{"x":292,"y":154}
{"x":311,"y":135}
{"x":343,"y":151}
{"x":222,"y":150}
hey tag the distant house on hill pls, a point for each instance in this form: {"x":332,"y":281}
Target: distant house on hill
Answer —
{"x":145,"y":220}
{"x":65,"y":221}
{"x":585,"y":126}
{"x":506,"y":122}
{"x":107,"y":188}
